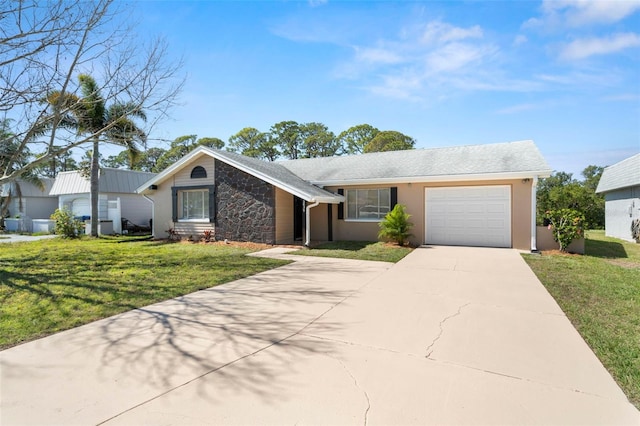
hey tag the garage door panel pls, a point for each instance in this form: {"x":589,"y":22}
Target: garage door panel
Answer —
{"x":474,"y":216}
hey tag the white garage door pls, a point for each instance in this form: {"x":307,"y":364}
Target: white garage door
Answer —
{"x":468,"y":216}
{"x":81,"y":207}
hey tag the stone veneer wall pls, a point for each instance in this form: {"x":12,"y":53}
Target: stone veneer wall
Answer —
{"x":245,"y":206}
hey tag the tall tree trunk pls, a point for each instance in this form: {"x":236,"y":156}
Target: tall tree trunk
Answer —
{"x":95,"y":174}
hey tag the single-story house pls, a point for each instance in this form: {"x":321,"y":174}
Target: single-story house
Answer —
{"x":620,"y":184}
{"x":29,"y":206}
{"x":117,"y":198}
{"x":478,"y":195}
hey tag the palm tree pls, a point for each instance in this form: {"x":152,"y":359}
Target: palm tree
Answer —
{"x":113,"y":124}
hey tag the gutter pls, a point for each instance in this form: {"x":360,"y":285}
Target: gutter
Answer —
{"x":308,"y":222}
{"x":534,"y":229}
{"x":432,"y":178}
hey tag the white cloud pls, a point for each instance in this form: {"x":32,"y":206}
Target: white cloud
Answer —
{"x":405,"y":67}
{"x":518,"y":108}
{"x":586,"y":47}
{"x":455,"y":56}
{"x":441,"y":32}
{"x":624,"y":97}
{"x":377,"y":55}
{"x":402,"y":86}
{"x":316,"y":3}
{"x":520,"y":40}
{"x":577,"y":13}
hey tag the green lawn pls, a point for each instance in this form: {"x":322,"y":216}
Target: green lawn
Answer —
{"x":600,"y":293}
{"x":360,"y":250}
{"x":53,"y":285}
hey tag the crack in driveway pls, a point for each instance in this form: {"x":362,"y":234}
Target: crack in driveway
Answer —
{"x":429,"y":349}
{"x":355,"y":381}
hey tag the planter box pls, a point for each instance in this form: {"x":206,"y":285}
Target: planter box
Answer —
{"x":43,"y":225}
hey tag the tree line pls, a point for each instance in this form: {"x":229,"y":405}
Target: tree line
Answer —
{"x":284,"y":140}
{"x":562,"y":191}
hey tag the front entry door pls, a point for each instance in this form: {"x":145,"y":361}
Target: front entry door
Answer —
{"x":298,"y":218}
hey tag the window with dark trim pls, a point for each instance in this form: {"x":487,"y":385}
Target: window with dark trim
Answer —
{"x":367,"y":204}
{"x":193,"y":203}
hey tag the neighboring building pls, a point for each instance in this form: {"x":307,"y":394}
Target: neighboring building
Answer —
{"x":117,"y":197}
{"x":28,"y":204}
{"x":620,"y":184}
{"x":479,"y":195}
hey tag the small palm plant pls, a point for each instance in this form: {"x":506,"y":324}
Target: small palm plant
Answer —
{"x":395,"y":226}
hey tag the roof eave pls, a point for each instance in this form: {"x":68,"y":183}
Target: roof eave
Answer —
{"x":439,"y":178}
{"x":611,"y":189}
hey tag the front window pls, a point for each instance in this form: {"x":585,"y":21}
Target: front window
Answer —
{"x":368,"y":204}
{"x":194,"y":205}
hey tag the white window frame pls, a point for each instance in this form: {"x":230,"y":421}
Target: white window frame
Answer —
{"x":380,"y":210}
{"x":205,"y":205}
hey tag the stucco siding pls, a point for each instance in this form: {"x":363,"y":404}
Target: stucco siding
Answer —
{"x":34,"y":207}
{"x":134,"y":208}
{"x":41,"y":207}
{"x":284,"y":217}
{"x":413,"y":197}
{"x":621,"y":208}
{"x":162,"y":209}
{"x":545,"y":241}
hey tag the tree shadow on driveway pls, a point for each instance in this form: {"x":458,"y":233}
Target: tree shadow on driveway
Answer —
{"x":172,"y":343}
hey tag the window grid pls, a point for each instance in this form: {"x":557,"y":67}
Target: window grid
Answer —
{"x":368,"y":204}
{"x":195,"y":205}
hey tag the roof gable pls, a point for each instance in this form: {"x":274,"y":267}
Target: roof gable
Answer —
{"x":624,"y":174}
{"x":270,"y":172}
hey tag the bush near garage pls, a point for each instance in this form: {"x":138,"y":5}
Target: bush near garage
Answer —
{"x":566,"y":225}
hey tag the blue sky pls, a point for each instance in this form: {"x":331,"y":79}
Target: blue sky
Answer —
{"x":565,"y":73}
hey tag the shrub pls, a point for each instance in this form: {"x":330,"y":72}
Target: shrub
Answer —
{"x":66,"y":226}
{"x":395,"y":226}
{"x":566,"y":224}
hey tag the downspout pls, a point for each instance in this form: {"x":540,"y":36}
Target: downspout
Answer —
{"x":534,"y":229}
{"x":308,"y":222}
{"x":153,"y":216}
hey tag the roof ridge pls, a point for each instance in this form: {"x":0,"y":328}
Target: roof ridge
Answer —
{"x":413,"y":150}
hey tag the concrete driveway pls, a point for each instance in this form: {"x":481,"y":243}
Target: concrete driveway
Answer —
{"x":449,"y":335}
{"x":17,"y":238}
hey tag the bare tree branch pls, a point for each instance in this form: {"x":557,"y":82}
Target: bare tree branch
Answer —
{"x":46,"y":45}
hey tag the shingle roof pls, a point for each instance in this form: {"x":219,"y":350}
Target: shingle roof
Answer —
{"x":624,"y":174}
{"x":111,"y":180}
{"x":300,"y":177}
{"x":278,"y":173}
{"x":273,"y":173}
{"x":469,"y":161}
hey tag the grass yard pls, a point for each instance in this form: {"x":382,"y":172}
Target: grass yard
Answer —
{"x":53,"y":285}
{"x":600,"y":294}
{"x":360,"y":250}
